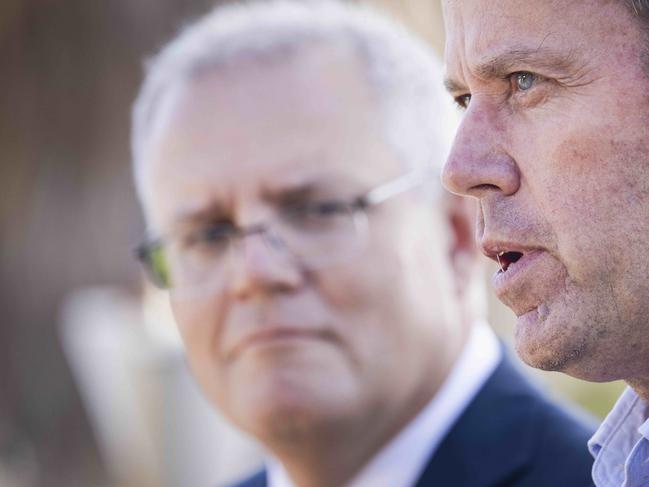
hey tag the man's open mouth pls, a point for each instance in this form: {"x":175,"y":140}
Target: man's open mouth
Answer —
{"x":505,"y":259}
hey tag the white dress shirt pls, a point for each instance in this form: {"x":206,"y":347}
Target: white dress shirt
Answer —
{"x":402,"y":461}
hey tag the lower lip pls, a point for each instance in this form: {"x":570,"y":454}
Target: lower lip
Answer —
{"x":516,"y":273}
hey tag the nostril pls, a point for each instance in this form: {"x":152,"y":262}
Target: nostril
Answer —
{"x":485,"y":187}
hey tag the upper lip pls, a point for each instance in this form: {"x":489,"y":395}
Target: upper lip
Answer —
{"x":493,"y":248}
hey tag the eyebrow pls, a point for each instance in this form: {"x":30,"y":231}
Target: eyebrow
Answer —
{"x":217,"y":209}
{"x":295,"y":192}
{"x":326,"y":186}
{"x":498,"y":66}
{"x":189,"y":215}
{"x":276,"y":194}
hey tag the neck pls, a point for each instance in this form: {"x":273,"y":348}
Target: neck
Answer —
{"x":336,"y":452}
{"x":321,"y":460}
{"x":641,"y":387}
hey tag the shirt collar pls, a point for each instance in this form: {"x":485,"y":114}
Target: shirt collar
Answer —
{"x":401,"y":461}
{"x":616,"y":438}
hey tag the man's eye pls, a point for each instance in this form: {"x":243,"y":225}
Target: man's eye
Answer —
{"x":462,"y":101}
{"x":318,"y":209}
{"x":523,"y":80}
{"x":210,"y":235}
{"x":320,"y":216}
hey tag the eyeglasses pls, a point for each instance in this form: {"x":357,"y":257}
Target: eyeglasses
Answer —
{"x":313,"y":234}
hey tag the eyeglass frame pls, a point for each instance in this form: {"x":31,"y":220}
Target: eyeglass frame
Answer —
{"x":363,"y":202}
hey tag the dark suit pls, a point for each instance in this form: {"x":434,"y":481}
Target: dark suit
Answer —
{"x":510,"y":435}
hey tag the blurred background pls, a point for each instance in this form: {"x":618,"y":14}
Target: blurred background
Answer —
{"x":93,"y":386}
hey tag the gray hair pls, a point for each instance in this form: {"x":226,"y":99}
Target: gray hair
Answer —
{"x":405,"y":75}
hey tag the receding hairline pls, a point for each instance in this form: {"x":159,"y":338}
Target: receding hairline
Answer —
{"x":343,"y":54}
{"x":400,"y":69}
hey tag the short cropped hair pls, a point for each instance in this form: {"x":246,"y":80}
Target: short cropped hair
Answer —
{"x":640,"y":9}
{"x":405,"y":76}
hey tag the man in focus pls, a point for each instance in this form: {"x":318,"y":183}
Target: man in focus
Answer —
{"x":554,"y":145}
{"x":323,"y":285}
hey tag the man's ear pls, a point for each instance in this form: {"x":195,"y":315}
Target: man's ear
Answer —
{"x":463,"y":249}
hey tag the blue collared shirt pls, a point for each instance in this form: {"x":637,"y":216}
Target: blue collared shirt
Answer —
{"x":621,"y":444}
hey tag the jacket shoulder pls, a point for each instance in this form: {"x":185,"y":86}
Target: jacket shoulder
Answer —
{"x":512,"y":435}
{"x":560,"y":454}
{"x":557,"y":452}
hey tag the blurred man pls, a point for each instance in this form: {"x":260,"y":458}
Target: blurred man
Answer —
{"x":554,"y":144}
{"x":321,"y":282}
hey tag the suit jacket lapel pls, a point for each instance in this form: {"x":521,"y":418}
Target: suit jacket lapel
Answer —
{"x":490,"y":444}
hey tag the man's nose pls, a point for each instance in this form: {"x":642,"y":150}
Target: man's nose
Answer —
{"x":479,"y":162}
{"x":260,"y":265}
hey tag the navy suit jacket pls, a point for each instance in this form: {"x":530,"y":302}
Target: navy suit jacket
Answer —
{"x":510,"y":435}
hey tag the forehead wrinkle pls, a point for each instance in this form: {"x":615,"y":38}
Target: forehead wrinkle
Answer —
{"x":546,"y":60}
{"x":541,"y":58}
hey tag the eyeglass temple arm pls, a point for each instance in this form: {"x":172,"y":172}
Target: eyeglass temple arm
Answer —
{"x":397,"y":186}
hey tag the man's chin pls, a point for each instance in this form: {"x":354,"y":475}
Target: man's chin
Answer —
{"x":286,"y":403}
{"x":546,"y":345}
{"x":558,"y":341}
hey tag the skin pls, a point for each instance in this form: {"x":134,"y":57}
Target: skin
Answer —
{"x":378,"y":333}
{"x":559,"y":163}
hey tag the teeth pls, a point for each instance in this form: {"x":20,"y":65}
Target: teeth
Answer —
{"x":498,"y":256}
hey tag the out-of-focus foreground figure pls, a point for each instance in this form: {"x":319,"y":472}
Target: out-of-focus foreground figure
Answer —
{"x":285,"y":156}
